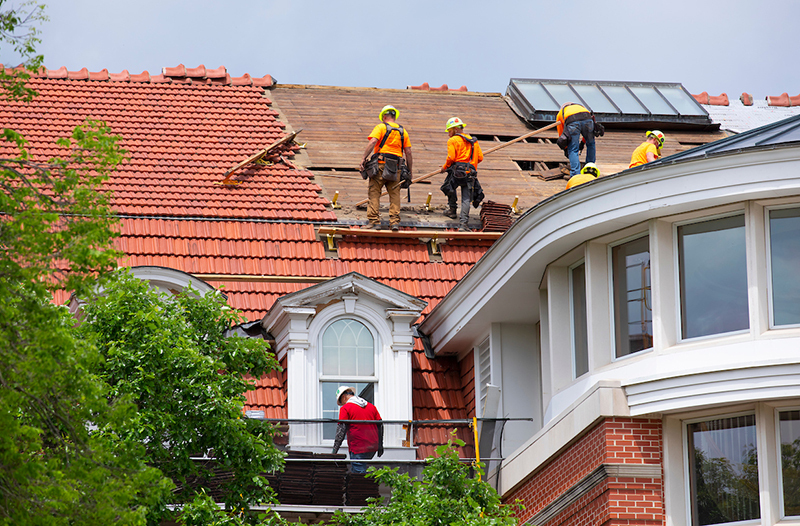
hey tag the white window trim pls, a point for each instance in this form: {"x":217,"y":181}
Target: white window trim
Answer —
{"x":677,"y":276}
{"x":768,"y":251}
{"x":611,"y":308}
{"x":345,"y":380}
{"x":781,"y":503}
{"x":570,"y":268}
{"x":677,"y":493}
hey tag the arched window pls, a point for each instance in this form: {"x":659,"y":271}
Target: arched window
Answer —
{"x":347,"y":358}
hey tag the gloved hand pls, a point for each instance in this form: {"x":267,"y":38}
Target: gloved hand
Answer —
{"x":380,"y":451}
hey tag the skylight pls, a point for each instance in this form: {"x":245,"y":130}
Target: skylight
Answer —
{"x":625,"y":102}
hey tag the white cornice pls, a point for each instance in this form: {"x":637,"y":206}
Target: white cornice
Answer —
{"x":606,"y":205}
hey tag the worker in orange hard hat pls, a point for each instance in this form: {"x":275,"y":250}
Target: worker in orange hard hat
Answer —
{"x":463,"y":155}
{"x":649,"y":150}
{"x":576,"y":123}
{"x":386,"y":163}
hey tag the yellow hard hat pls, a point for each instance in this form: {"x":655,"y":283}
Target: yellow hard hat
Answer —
{"x":387,"y":108}
{"x":658,"y":135}
{"x":592,"y":169}
{"x":453,"y":122}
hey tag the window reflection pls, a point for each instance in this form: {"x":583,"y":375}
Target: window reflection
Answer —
{"x":633,"y":313}
{"x":580,"y":340}
{"x":784,"y":240}
{"x":790,"y":461}
{"x":723,"y":469}
{"x":348,"y":352}
{"x":713,"y":277}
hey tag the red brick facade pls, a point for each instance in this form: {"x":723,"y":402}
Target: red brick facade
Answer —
{"x":587,"y":484}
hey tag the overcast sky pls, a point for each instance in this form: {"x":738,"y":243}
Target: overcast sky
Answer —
{"x":716,"y":46}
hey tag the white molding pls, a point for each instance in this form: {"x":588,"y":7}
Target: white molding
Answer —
{"x":298,"y":320}
{"x":492,"y":288}
{"x":170,"y":280}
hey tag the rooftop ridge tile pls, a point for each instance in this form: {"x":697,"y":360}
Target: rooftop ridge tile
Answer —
{"x":427,"y":87}
{"x":179,"y":74}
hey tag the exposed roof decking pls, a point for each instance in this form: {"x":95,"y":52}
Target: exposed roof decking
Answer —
{"x":337,"y":121}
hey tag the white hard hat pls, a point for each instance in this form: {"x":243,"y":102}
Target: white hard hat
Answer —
{"x":342,"y":390}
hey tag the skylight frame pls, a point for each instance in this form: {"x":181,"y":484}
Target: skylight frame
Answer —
{"x":669,"y":98}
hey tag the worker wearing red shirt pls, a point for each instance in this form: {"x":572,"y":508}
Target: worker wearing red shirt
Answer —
{"x":388,"y":149}
{"x":463,"y":155}
{"x":363,"y":440}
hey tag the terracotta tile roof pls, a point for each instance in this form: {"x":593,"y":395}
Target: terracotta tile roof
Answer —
{"x":705,"y":98}
{"x":180,"y":138}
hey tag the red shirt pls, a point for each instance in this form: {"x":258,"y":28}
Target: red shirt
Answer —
{"x":361,"y":438}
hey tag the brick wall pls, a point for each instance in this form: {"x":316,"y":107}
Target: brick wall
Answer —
{"x":601,"y":495}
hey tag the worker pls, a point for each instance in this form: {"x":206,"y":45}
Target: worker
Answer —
{"x":363,"y":440}
{"x":573,"y":122}
{"x":649,"y":150}
{"x":463,"y":155}
{"x":590,"y":172}
{"x":387,"y":159}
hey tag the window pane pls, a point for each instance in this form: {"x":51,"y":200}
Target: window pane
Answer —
{"x":713,"y":277}
{"x":784,"y":240}
{"x":622,"y":98}
{"x":579,"y":333}
{"x":633,"y":314}
{"x":654,"y":102}
{"x":683,"y":102}
{"x":597,"y":102}
{"x":790,"y":461}
{"x":537,"y":96}
{"x":348,"y":349}
{"x":331,"y":410}
{"x":562,"y":93}
{"x":723,"y":470}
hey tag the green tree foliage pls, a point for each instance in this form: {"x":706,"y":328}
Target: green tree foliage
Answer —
{"x":88,"y":418}
{"x":18,"y":29}
{"x":168,"y":354}
{"x":55,"y":232}
{"x":445,"y":496}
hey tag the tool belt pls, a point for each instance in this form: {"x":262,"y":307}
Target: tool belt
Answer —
{"x":462,"y":170}
{"x":580,"y":116}
{"x":394,"y":168}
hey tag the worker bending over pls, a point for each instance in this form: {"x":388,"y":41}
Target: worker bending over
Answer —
{"x":649,"y":150}
{"x":387,"y":159}
{"x":590,"y":172}
{"x":573,"y":122}
{"x":463,"y":155}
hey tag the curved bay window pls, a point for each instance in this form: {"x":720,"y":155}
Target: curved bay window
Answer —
{"x":347,"y":358}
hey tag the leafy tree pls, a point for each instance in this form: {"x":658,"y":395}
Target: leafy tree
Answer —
{"x":169,"y":355}
{"x":85,"y":432}
{"x":55,"y":232}
{"x":18,"y":28}
{"x":446,"y":495}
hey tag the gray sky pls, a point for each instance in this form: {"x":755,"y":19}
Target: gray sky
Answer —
{"x":716,"y":46}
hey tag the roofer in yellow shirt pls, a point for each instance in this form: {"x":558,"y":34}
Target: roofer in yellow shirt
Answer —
{"x":463,"y":155}
{"x":649,"y":150}
{"x":386,"y":158}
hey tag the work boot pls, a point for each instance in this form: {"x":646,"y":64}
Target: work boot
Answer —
{"x":374,"y":226}
{"x":395,"y":227}
{"x":464,"y":228}
{"x":452,"y":213}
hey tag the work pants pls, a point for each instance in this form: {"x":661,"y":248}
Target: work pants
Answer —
{"x":360,"y":467}
{"x":376,"y":185}
{"x":575,"y":130}
{"x":466,"y":186}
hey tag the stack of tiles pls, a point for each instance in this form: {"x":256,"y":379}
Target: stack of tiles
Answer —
{"x":495,"y":217}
